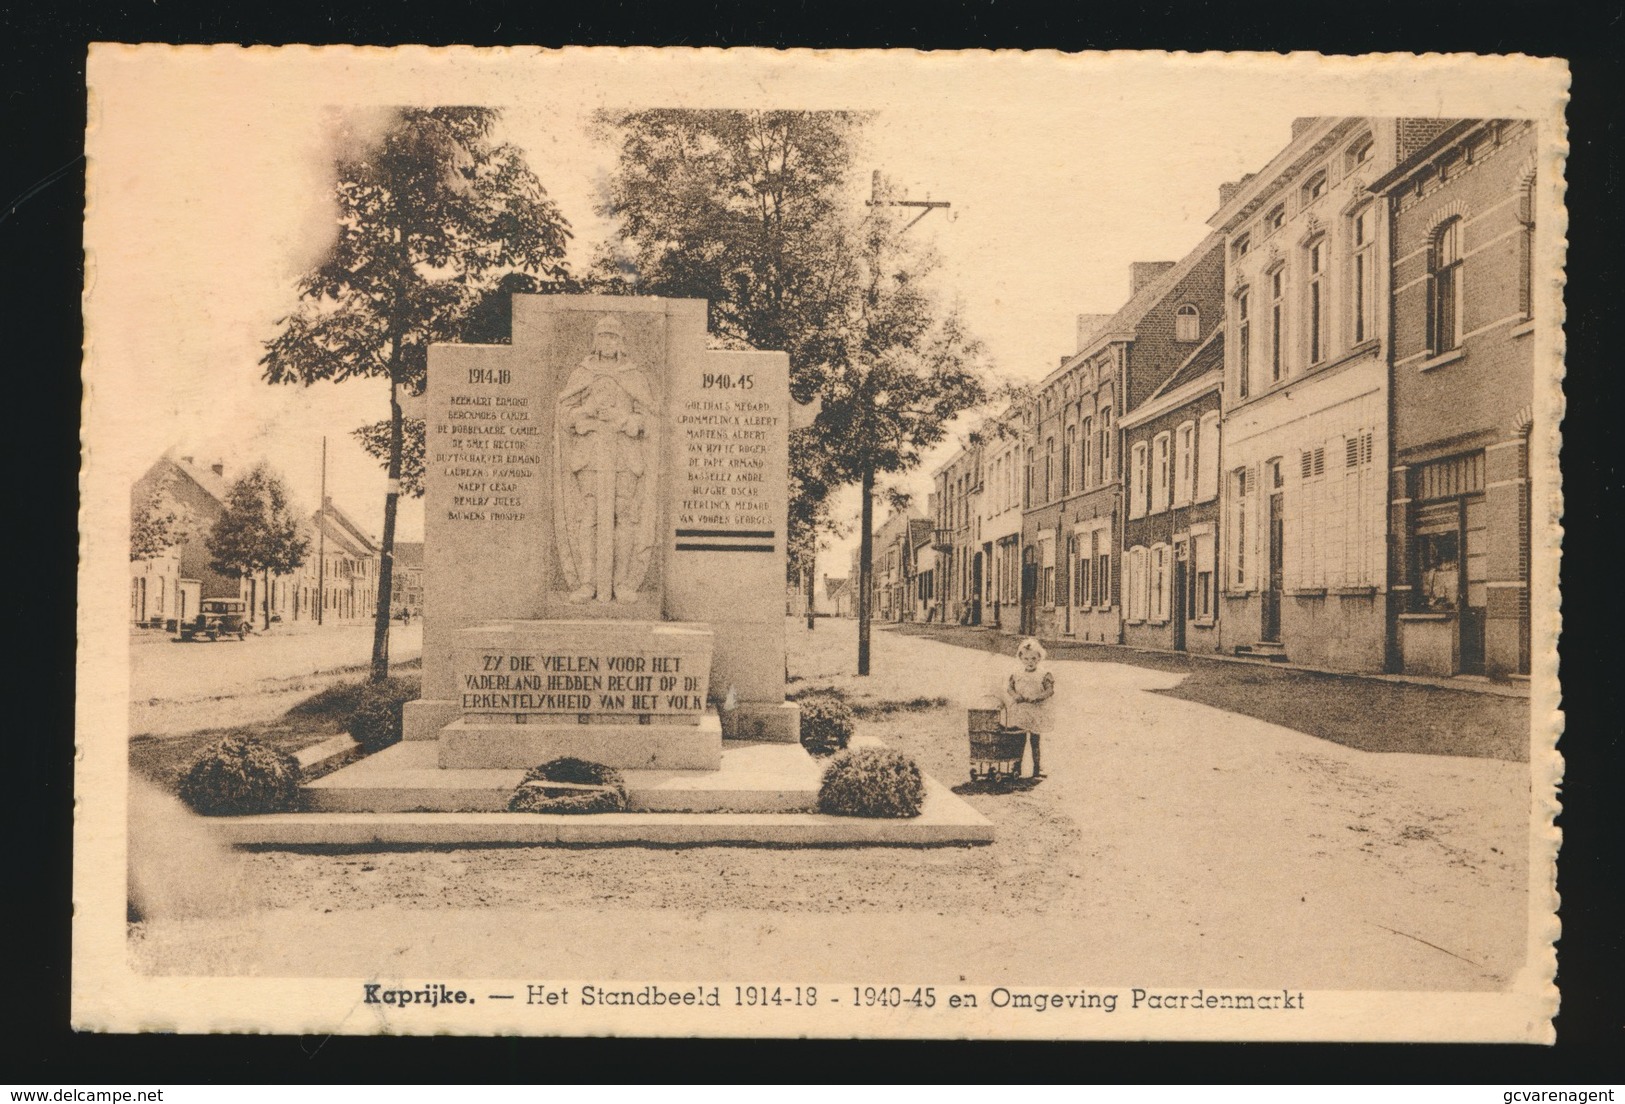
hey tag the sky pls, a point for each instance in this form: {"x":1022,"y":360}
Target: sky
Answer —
{"x":208,"y":197}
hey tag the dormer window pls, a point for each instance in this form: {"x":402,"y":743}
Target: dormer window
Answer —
{"x":1241,"y":246}
{"x":1276,"y":218}
{"x":1315,"y":187}
{"x":1187,"y":323}
{"x":1360,"y":152}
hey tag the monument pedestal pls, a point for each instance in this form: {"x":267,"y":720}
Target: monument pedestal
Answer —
{"x":467,"y":744}
{"x":627,"y":694}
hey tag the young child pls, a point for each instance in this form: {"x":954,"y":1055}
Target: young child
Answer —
{"x":1030,"y":690}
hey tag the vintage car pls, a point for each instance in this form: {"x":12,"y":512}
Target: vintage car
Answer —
{"x":218,"y":617}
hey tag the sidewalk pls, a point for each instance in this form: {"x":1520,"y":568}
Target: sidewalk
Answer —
{"x":994,"y":640}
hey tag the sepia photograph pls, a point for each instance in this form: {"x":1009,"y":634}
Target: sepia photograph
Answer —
{"x":836,"y":544}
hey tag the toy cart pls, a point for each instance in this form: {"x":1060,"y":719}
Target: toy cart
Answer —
{"x":995,"y":748}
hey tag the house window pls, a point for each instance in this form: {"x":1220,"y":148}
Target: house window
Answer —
{"x":1106,"y":471}
{"x":1068,"y":449}
{"x":1137,"y":584}
{"x":1187,"y":323}
{"x":1027,"y":492}
{"x":1184,"y":464}
{"x":1445,"y":313}
{"x":1160,"y":578}
{"x":1242,"y":244}
{"x":1360,"y":152}
{"x":1207,"y":457}
{"x":1317,"y":300}
{"x":1159,"y":473}
{"x":1238,"y":526}
{"x":1086,"y":478}
{"x":1244,"y":344}
{"x":1082,"y":570}
{"x":1047,"y":557}
{"x":1277,"y":324}
{"x":1315,"y":187}
{"x":1103,"y":569}
{"x":1276,"y":218}
{"x":1137,"y":486}
{"x":1202,"y":551}
{"x":1362,"y":272}
{"x":1049,"y":469}
{"x":1526,"y":245}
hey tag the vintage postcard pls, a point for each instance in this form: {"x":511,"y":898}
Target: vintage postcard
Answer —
{"x":875,"y":544}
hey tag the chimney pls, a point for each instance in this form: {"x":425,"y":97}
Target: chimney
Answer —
{"x":219,"y":468}
{"x":1141,"y":273}
{"x":1088,"y":326}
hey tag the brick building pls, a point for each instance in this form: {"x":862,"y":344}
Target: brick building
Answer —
{"x":1072,"y":527}
{"x":998,"y":509}
{"x":1306,"y":403}
{"x":1171,"y":532}
{"x":960,"y":562}
{"x":167,"y":589}
{"x":891,"y":577}
{"x":1462,"y":206}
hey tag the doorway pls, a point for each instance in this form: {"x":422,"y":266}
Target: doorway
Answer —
{"x":1182,"y":607}
{"x":1270,"y":631}
{"x":976,"y":589}
{"x":1029,"y":590}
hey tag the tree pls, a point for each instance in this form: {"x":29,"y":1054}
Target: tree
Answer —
{"x":432,"y":213}
{"x":259,"y":533}
{"x":902,"y":367}
{"x":157,"y":524}
{"x":751,"y":211}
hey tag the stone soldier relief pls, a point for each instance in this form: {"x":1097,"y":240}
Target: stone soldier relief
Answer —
{"x":558,"y":528}
{"x":606,"y":466}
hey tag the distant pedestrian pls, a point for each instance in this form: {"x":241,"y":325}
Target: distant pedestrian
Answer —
{"x":1030,"y":690}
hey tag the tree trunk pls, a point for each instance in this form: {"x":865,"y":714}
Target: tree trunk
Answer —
{"x":386,"y":555}
{"x":866,"y":553}
{"x":267,"y":605}
{"x":810,"y":573}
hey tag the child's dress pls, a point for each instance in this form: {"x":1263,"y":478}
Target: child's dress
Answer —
{"x":1030,"y":715}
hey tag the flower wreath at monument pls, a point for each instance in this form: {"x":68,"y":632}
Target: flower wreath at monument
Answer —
{"x":570,"y":785}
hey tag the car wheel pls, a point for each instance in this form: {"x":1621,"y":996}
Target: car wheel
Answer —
{"x":242,"y":632}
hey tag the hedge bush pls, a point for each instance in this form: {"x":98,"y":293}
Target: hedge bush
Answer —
{"x":375,"y":723}
{"x":826,"y":724}
{"x":872,"y":782}
{"x":534,"y":799}
{"x":240,"y":775}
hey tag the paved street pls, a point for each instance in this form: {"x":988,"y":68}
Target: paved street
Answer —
{"x":177,"y":687}
{"x":1172,"y":843}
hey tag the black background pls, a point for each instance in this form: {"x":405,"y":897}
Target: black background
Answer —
{"x":42,"y":55}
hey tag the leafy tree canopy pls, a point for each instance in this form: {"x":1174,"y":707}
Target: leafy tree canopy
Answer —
{"x":432,"y":212}
{"x":259,"y":531}
{"x":157,"y":524}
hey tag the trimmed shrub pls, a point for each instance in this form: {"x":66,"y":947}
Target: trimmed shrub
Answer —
{"x":530,"y":797}
{"x":239,"y":776}
{"x":826,"y":724}
{"x":872,"y":782}
{"x":375,"y":723}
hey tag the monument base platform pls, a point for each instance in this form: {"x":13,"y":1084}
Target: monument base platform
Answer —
{"x":472,"y":744}
{"x":406,"y":778}
{"x":763,"y":794}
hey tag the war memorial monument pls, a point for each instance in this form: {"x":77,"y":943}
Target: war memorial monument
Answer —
{"x":604,"y":565}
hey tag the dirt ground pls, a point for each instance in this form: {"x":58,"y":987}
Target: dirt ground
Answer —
{"x":1173,"y":842}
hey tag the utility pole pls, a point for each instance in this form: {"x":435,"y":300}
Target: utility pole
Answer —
{"x":866,"y":549}
{"x":321,"y":544}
